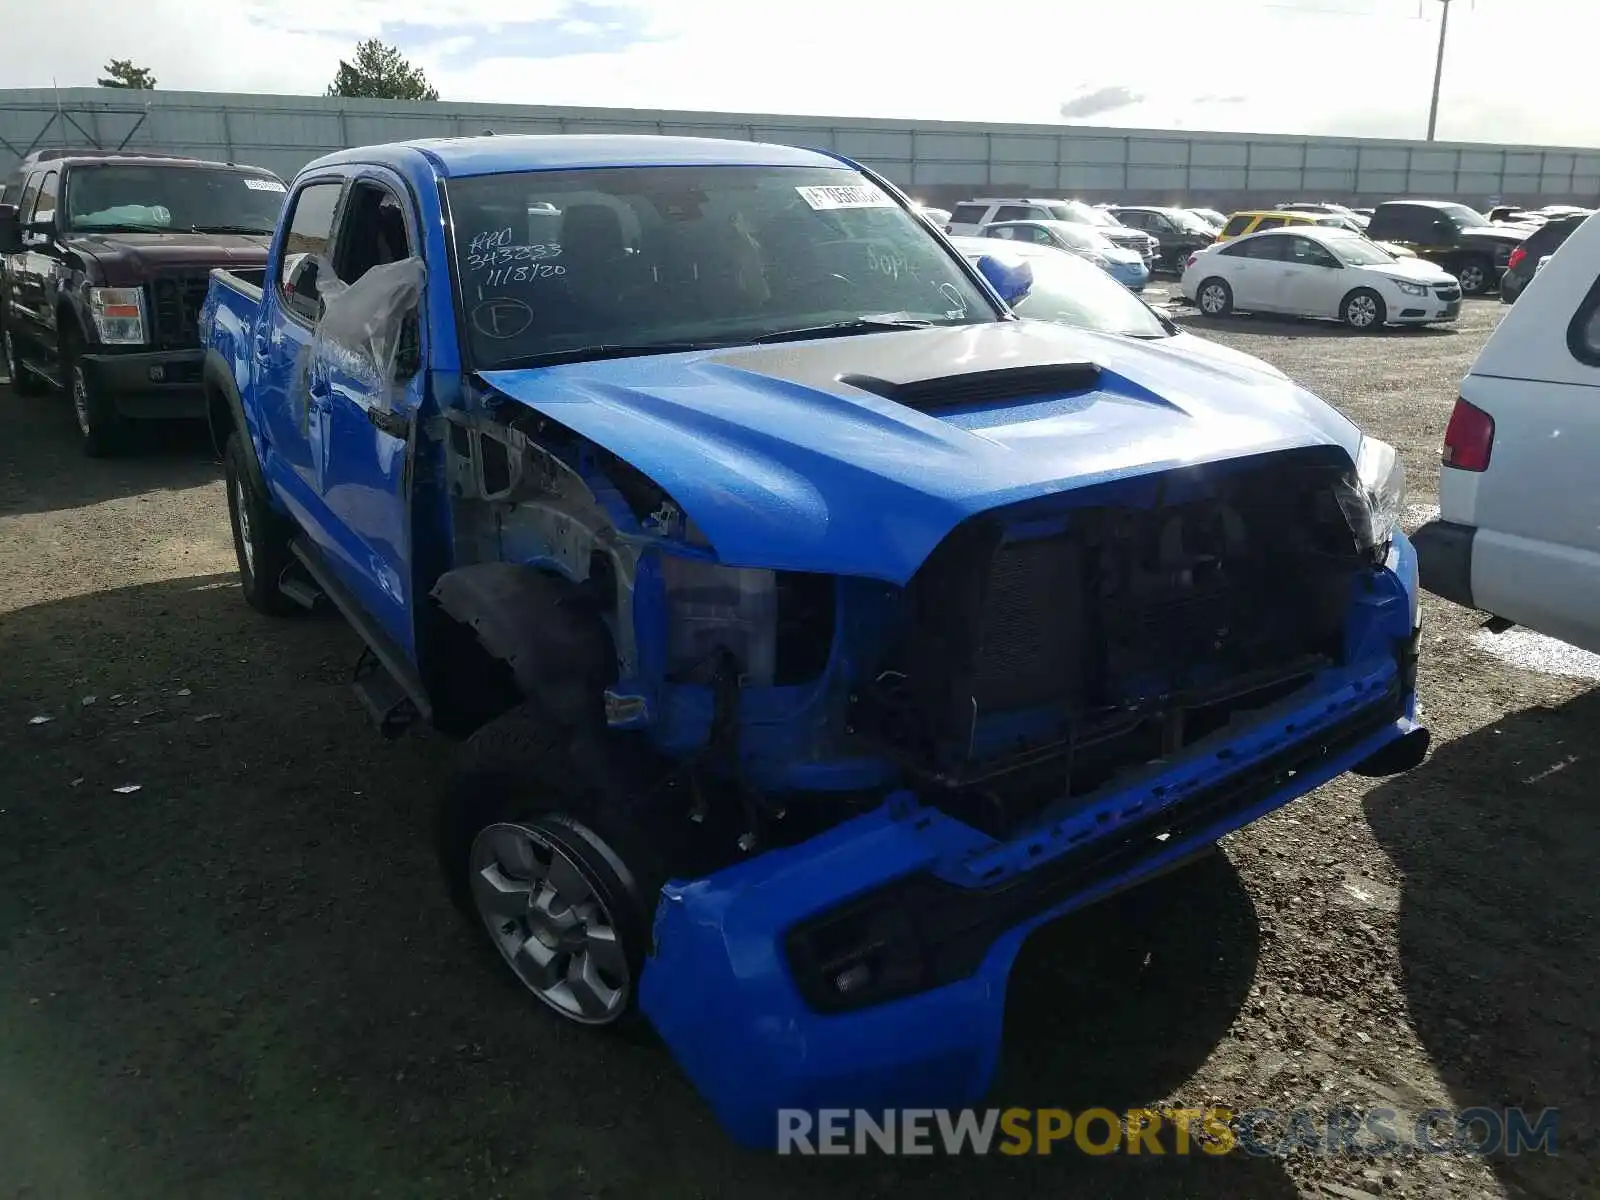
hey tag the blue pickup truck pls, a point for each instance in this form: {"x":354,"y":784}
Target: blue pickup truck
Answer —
{"x":815,"y":626}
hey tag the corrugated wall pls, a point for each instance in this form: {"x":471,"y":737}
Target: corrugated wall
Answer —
{"x":940,"y":162}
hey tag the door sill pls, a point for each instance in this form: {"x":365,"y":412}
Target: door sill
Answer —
{"x":389,"y":656}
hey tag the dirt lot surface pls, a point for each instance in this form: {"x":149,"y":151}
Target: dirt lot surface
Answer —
{"x":242,"y":979}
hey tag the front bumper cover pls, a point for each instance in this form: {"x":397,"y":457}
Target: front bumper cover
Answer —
{"x":748,"y":999}
{"x":155,"y":384}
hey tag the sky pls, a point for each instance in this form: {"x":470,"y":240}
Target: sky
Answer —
{"x":1342,"y":67}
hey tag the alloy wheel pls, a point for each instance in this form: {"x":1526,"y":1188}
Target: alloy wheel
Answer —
{"x":549,"y":923}
{"x":1362,"y":311}
{"x":80,"y":400}
{"x":241,"y":515}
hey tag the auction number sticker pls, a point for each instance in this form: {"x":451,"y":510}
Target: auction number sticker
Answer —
{"x":264,"y":185}
{"x":855,"y":195}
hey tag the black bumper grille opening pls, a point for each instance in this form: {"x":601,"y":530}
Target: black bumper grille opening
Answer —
{"x":176,"y":302}
{"x":1029,"y":644}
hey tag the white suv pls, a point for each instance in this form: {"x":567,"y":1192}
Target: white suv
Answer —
{"x":970,"y":217}
{"x":1518,"y":533}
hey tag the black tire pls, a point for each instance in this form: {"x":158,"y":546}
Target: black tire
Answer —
{"x":1364,"y":310}
{"x":24,"y":383}
{"x":573,"y":793}
{"x":102,"y":431}
{"x":260,"y":535}
{"x":1221,"y":305}
{"x":1476,"y":276}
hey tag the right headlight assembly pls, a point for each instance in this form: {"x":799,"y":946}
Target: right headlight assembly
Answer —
{"x":711,"y":608}
{"x":1374,"y":501}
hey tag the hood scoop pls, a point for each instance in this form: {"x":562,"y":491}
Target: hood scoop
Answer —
{"x":1032,"y":382}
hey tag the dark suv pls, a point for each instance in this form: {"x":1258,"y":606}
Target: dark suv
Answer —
{"x":104,"y":264}
{"x":1457,"y":238}
{"x":1179,"y":232}
{"x":1525,"y":258}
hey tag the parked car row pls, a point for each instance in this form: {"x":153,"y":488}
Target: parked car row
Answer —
{"x":1127,"y":267}
{"x":970,"y":217}
{"x":1476,"y":249}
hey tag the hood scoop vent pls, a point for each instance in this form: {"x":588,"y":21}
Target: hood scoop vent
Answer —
{"x":1005,"y":384}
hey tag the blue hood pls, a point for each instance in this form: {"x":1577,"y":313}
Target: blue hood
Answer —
{"x":783,"y":465}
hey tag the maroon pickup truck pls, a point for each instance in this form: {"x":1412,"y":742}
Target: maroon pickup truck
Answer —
{"x":104,"y":264}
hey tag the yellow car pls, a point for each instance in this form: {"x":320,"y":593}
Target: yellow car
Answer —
{"x":1254,"y":221}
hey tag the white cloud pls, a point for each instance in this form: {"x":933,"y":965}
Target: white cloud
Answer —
{"x":1229,"y":64}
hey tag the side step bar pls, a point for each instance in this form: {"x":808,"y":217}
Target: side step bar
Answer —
{"x":384,"y":680}
{"x":301,"y":590}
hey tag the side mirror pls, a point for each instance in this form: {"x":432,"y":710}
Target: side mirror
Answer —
{"x":301,"y":288}
{"x":1012,"y":281}
{"x":10,"y":229}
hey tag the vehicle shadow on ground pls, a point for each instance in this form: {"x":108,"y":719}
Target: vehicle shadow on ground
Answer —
{"x":160,"y":456}
{"x":1500,"y":924}
{"x":1306,"y":327}
{"x":243,"y":978}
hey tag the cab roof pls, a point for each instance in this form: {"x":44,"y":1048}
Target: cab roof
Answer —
{"x":464,"y":157}
{"x":1292,"y":214}
{"x":39,"y":159}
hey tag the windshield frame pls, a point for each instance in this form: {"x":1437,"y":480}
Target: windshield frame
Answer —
{"x":455,"y":250}
{"x":1335,"y":246}
{"x":1093,"y":241}
{"x":67,"y":224}
{"x":1068,"y":262}
{"x":1186,"y":221}
{"x":1458,"y":215}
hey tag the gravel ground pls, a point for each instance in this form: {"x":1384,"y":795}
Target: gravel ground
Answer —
{"x":242,"y":979}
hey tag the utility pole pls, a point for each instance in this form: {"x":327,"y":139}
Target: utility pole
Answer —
{"x":1438,"y":70}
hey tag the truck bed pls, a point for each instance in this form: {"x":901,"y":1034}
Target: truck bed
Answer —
{"x":246,"y":280}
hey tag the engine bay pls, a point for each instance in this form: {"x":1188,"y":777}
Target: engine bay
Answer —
{"x":1040,"y":652}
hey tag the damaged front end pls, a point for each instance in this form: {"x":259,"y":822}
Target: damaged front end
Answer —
{"x":1073,"y":697}
{"x":871,"y":791}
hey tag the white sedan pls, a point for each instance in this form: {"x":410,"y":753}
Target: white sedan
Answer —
{"x":1317,"y":272}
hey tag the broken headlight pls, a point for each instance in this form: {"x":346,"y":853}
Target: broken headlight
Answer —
{"x":712,"y":609}
{"x":1376,"y":499}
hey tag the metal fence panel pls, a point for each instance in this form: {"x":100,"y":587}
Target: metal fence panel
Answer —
{"x":1333,"y":158}
{"x":1094,"y":150}
{"x":1158,"y":179}
{"x":1217,"y":179}
{"x":946,"y":161}
{"x":1142,"y":151}
{"x":1023,"y":149}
